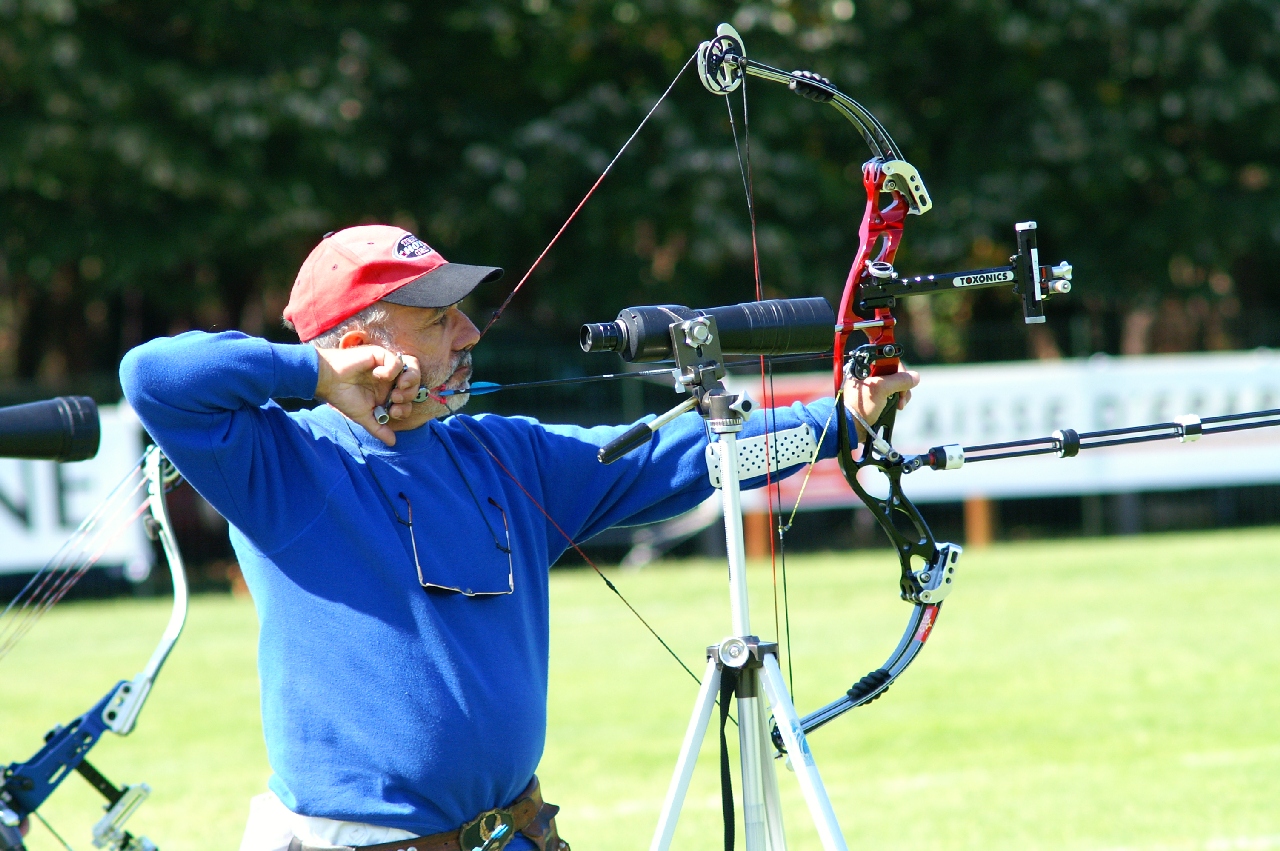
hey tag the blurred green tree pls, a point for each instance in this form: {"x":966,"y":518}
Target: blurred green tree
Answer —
{"x":166,"y":166}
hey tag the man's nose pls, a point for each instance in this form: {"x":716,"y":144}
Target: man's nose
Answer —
{"x":465,"y":333}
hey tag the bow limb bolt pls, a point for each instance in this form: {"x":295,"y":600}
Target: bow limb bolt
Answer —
{"x":894,"y":190}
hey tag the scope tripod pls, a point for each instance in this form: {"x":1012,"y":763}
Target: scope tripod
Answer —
{"x":742,"y":661}
{"x":759,"y":678}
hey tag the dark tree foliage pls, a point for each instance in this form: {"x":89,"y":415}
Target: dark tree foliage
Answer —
{"x":166,"y":166}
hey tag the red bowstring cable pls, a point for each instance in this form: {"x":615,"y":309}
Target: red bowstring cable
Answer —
{"x":572,"y":543}
{"x":766,"y":376}
{"x":497,"y":313}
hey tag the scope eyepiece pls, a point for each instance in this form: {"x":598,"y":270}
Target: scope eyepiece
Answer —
{"x":603,"y":337}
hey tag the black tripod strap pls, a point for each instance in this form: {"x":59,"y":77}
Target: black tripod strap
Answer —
{"x":728,"y":685}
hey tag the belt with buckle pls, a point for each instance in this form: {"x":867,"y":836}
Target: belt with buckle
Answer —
{"x":489,"y":831}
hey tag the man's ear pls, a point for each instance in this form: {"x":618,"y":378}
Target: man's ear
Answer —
{"x":354,"y":338}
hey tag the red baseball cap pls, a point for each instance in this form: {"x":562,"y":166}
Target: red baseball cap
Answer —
{"x":353,"y":268}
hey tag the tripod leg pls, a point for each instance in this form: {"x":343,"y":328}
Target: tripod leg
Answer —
{"x":815,"y":794}
{"x":772,"y":801}
{"x":693,"y":737}
{"x":750,"y":727}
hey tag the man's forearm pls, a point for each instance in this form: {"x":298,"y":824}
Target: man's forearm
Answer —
{"x":197,"y":373}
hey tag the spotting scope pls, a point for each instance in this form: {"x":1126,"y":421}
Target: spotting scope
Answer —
{"x":784,"y":326}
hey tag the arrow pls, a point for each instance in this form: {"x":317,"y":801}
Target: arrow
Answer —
{"x":480,"y":388}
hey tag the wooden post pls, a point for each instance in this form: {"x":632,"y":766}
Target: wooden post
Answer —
{"x":1091,"y":514}
{"x":979,"y":522}
{"x":755,"y":534}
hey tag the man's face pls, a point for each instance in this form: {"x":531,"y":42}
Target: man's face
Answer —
{"x":441,"y":340}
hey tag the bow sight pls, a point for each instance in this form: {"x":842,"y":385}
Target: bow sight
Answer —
{"x":883,"y":286}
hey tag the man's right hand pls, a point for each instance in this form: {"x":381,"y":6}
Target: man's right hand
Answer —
{"x":356,"y":380}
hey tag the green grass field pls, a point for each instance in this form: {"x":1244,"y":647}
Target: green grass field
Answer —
{"x":1099,"y":695}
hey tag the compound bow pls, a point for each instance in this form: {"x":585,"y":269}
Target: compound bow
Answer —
{"x":894,"y":190}
{"x":27,"y":785}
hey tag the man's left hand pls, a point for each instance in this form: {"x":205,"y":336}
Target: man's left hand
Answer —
{"x":869,"y":397}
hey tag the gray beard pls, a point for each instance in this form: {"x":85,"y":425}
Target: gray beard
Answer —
{"x":458,"y":401}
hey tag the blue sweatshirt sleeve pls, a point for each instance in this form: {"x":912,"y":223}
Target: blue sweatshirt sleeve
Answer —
{"x":206,"y":401}
{"x":659,"y":480}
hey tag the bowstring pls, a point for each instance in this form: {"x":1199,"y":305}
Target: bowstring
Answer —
{"x":80,"y":552}
{"x":49,"y":827}
{"x":507,"y":301}
{"x":574,"y":544}
{"x":773,"y":486}
{"x":502,"y":307}
{"x":498,"y":313}
{"x":813,"y":462}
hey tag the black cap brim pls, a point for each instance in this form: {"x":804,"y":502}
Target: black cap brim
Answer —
{"x":442,"y":287}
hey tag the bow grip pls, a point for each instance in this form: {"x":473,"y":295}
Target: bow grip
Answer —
{"x":28,"y":784}
{"x":883,"y":426}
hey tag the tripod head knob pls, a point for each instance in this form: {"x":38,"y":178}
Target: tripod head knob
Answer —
{"x":734,"y":653}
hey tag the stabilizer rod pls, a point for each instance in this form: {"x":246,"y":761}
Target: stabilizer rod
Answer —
{"x":1066,"y":442}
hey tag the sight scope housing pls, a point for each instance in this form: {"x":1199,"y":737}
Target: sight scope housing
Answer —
{"x":785,"y":326}
{"x":66,"y":428}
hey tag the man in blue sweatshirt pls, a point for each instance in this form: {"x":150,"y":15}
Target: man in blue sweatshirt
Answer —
{"x":398,"y":556}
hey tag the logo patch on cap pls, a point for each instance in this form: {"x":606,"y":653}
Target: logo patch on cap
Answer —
{"x":410,"y":247}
